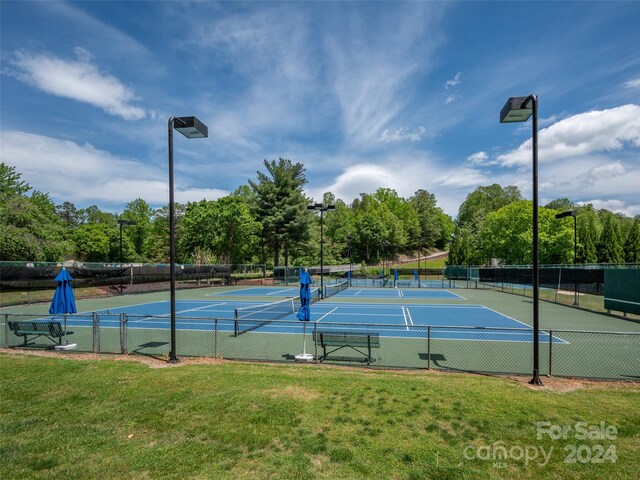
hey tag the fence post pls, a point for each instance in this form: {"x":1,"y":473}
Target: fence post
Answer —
{"x":215,"y":338}
{"x":315,"y":343}
{"x":96,"y":333}
{"x":6,"y":330}
{"x":429,"y":347}
{"x":550,"y":349}
{"x":123,"y":333}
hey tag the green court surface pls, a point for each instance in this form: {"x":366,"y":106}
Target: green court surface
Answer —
{"x":575,"y":342}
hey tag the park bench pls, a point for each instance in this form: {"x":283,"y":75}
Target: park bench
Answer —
{"x":360,"y":342}
{"x":403,"y":283}
{"x":35,"y":329}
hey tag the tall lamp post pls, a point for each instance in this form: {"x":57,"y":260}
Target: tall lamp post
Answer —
{"x":349,"y":246}
{"x":572,"y":213}
{"x":190,"y":127}
{"x":122,"y":223}
{"x":321,"y":207}
{"x":519,"y":109}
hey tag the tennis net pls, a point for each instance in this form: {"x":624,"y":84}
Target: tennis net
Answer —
{"x":250,"y":318}
{"x":331,"y":290}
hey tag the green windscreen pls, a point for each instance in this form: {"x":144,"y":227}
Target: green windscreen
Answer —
{"x":622,"y":290}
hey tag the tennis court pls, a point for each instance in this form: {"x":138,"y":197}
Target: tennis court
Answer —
{"x":476,"y":330}
{"x":388,"y":320}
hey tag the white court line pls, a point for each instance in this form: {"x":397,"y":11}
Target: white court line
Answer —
{"x":357,"y":293}
{"x":326,"y":314}
{"x":405,"y":318}
{"x":228,"y":292}
{"x":288,"y":290}
{"x":410,"y":318}
{"x":192,"y":309}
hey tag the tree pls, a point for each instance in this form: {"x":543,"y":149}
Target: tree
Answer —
{"x":405,"y":213}
{"x":236,"y":230}
{"x":280,"y":206}
{"x":68,"y":213}
{"x":632,"y":244}
{"x":589,"y":227}
{"x":99,"y":242}
{"x":140,"y":212}
{"x":560,"y":204}
{"x":10,"y":183}
{"x":460,"y":250}
{"x":92,"y":214}
{"x":424,"y":203}
{"x":507,"y":235}
{"x":29,"y":226}
{"x":610,"y":246}
{"x":484,"y":200}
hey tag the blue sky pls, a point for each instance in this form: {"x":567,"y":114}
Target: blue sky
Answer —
{"x":365,"y":95}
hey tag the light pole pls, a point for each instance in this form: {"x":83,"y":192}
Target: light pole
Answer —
{"x":385,"y":246}
{"x":321,"y":207}
{"x":190,"y":127}
{"x":572,"y":213}
{"x":122,"y":223}
{"x":519,"y":109}
{"x":349,"y":246}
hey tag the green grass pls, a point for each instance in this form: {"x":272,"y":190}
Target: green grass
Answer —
{"x":63,"y":418}
{"x":436,"y":263}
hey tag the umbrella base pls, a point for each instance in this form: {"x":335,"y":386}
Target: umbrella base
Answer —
{"x":69,"y":346}
{"x":304,"y":357}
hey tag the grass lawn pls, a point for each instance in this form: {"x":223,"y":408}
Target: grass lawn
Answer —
{"x":83,"y":417}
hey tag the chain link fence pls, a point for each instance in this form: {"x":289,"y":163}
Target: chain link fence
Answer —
{"x":567,"y":353}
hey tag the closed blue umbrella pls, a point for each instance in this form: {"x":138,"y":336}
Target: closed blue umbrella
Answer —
{"x":395,"y":277}
{"x":304,"y":314}
{"x":415,"y":275}
{"x":63,"y":301}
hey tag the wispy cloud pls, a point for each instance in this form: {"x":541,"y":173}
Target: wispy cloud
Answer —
{"x":454,"y":82}
{"x":83,"y":174}
{"x":79,"y":80}
{"x":595,"y":131}
{"x":478,"y":158}
{"x":403,"y":134}
{"x":635,"y":83}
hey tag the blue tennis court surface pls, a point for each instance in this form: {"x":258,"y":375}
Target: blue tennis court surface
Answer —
{"x":447,"y":321}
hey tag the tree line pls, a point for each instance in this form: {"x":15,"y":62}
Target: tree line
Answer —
{"x":267,"y":221}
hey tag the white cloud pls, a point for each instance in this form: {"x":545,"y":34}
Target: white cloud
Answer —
{"x":478,"y":158}
{"x":614,"y":205}
{"x":635,"y":83}
{"x":79,"y":80}
{"x":84,"y":175}
{"x":595,"y":131}
{"x":462,"y":177}
{"x":402,"y":134}
{"x":450,"y":99}
{"x":454,"y":82}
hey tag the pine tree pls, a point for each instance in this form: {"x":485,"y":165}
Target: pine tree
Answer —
{"x":610,"y":248}
{"x":632,"y":245}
